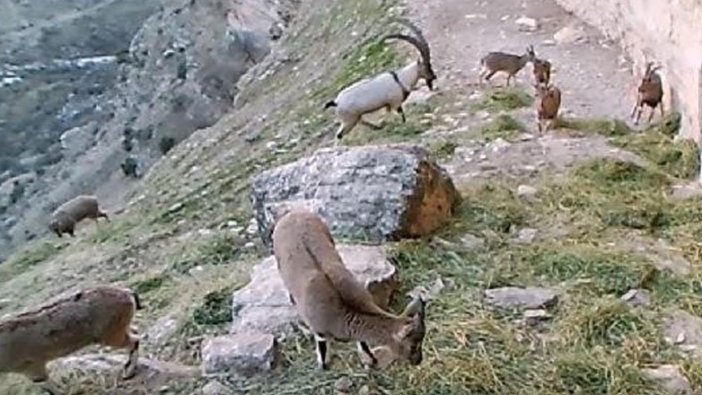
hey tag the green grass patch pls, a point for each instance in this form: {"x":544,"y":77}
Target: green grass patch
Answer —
{"x":216,"y":309}
{"x":606,"y":127}
{"x":218,"y":250}
{"x":444,"y":149}
{"x":26,"y":259}
{"x":502,"y":126}
{"x":502,"y":99}
{"x":149,"y":284}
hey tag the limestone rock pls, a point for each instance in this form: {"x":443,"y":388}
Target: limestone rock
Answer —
{"x":526,"y":191}
{"x":162,"y":330}
{"x":264,"y":304}
{"x":100,"y":364}
{"x":245,"y":352}
{"x":569,"y":35}
{"x":527,"y":24}
{"x":343,"y":385}
{"x":378,"y":193}
{"x":526,"y":236}
{"x":685,"y":331}
{"x":637,"y":298}
{"x":669,"y":377}
{"x":527,"y":298}
{"x":215,"y":388}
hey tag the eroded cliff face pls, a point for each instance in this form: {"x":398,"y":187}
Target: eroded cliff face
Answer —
{"x":178,"y":75}
{"x":662,"y":31}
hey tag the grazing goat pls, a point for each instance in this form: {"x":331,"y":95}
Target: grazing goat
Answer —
{"x":102,"y":315}
{"x":548,"y":102}
{"x":650,"y":93}
{"x":542,"y":71}
{"x":331,"y":301}
{"x":504,"y":62}
{"x":387,"y":90}
{"x":66,"y":216}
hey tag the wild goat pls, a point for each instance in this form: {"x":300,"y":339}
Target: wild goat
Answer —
{"x":650,"y":93}
{"x":66,"y":216}
{"x":331,"y":301}
{"x":504,"y":62}
{"x":101,"y":315}
{"x":387,"y":90}
{"x":548,"y":102}
{"x":542,"y":71}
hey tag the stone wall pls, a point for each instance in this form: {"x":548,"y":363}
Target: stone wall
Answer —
{"x":668,"y":32}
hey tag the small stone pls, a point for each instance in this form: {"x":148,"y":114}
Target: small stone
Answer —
{"x":472,"y":243}
{"x":250,"y":245}
{"x":569,"y":35}
{"x":684,"y":330}
{"x":365,"y":390}
{"x":526,"y":191}
{"x":527,"y":24}
{"x":4,"y":303}
{"x":526,"y":298}
{"x":637,"y":298}
{"x":526,"y":236}
{"x":534,"y":316}
{"x":428,"y":294}
{"x":175,"y":208}
{"x":669,"y":377}
{"x":499,"y":145}
{"x":244,"y":352}
{"x":215,"y":388}
{"x":343,"y":385}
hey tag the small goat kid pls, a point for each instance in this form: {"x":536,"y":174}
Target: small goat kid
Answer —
{"x":548,"y":102}
{"x":650,"y":93}
{"x":331,"y":301}
{"x":387,"y":90}
{"x":542,"y":71}
{"x":102,"y":315}
{"x":508,"y":63}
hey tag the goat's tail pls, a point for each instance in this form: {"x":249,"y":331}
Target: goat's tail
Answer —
{"x":137,"y":301}
{"x":331,"y":103}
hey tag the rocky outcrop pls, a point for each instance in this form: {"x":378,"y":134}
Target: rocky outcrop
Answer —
{"x":264,"y":305}
{"x":244,"y":352}
{"x":376,"y":193}
{"x":661,"y":31}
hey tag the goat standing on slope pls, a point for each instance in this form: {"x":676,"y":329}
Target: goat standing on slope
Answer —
{"x":331,"y":301}
{"x":548,"y":102}
{"x":387,"y":90}
{"x":650,"y":93}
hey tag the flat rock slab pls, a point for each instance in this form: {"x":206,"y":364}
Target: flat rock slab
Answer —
{"x":669,"y":377}
{"x":685,"y":331}
{"x":523,"y":298}
{"x":264,"y":304}
{"x":378,"y":193}
{"x":244,"y":352}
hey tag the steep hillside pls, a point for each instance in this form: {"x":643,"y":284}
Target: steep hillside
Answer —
{"x":587,"y":212}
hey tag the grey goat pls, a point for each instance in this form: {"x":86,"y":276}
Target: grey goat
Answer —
{"x":508,"y":63}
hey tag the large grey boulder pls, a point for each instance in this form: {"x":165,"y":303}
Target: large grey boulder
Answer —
{"x":376,"y":193}
{"x":264,"y":305}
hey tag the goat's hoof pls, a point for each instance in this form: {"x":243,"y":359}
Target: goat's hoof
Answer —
{"x":323,"y":366}
{"x":128,"y":373}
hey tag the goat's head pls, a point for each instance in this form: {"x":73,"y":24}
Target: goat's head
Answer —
{"x":61,"y":223}
{"x":530,"y":54}
{"x":426,"y":72}
{"x":411,"y":335}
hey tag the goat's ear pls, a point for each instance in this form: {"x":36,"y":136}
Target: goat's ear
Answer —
{"x":415,"y":308}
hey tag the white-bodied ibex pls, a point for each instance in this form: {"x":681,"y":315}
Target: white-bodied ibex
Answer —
{"x":102,"y":315}
{"x":330,"y":300}
{"x":387,"y":90}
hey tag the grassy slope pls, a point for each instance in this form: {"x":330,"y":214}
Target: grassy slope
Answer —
{"x":593,"y":344}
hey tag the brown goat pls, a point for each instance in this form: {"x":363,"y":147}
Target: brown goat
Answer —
{"x":542,"y":71}
{"x":650,"y":93}
{"x":66,"y":216}
{"x":548,"y":102}
{"x":101,"y":315}
{"x":330,"y":299}
{"x":504,"y":62}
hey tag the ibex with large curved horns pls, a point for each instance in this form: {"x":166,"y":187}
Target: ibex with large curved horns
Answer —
{"x":650,"y":93}
{"x":387,"y":90}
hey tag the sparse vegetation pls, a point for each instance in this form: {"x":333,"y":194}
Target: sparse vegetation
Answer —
{"x":502,"y":126}
{"x":502,"y":99}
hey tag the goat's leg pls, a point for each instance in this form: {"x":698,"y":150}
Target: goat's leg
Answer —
{"x":104,"y":215}
{"x":662,"y":111}
{"x":638,"y":115}
{"x":402,"y":112}
{"x":321,"y":343}
{"x":130,"y":367}
{"x":345,"y":127}
{"x":292,"y":300}
{"x":509,"y":77}
{"x":650,"y":115}
{"x":363,"y":347}
{"x":633,"y":110}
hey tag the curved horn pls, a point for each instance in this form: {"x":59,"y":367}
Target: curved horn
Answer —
{"x":420,"y":42}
